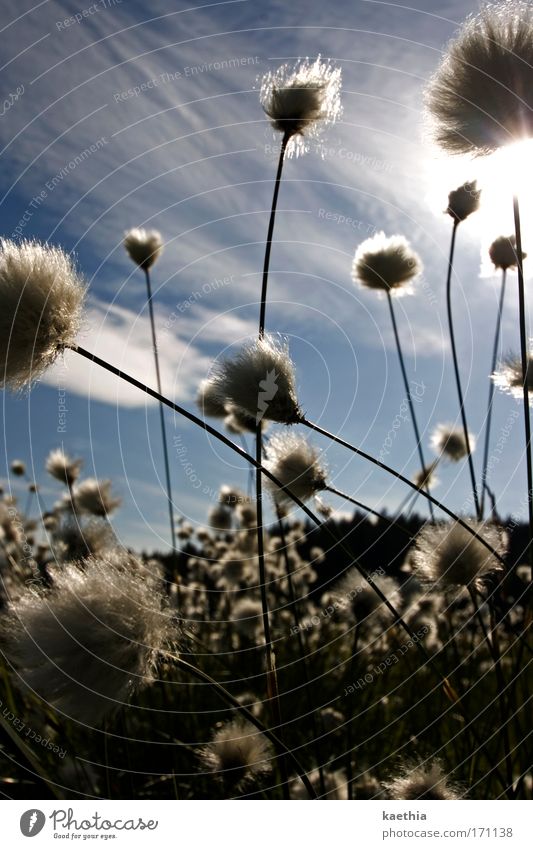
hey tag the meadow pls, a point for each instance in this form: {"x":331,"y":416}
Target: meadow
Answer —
{"x":281,"y":651}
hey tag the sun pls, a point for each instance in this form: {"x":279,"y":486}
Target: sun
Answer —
{"x":502,"y":175}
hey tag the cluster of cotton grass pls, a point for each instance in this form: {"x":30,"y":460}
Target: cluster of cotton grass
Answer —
{"x":94,"y":635}
{"x":93,"y":639}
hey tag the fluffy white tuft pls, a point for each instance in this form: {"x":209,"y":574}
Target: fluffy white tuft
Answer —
{"x":41,"y":309}
{"x":463,"y":201}
{"x":61,"y":467}
{"x":88,"y":643}
{"x":296,"y":464}
{"x":481,"y":96}
{"x":448,"y":555}
{"x":260,"y":380}
{"x":301,"y":100}
{"x":144,"y":247}
{"x":427,"y":781}
{"x":387,"y":264}
{"x":93,"y":496}
{"x":509,"y":377}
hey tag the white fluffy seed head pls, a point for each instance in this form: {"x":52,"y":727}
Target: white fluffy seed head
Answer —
{"x":93,"y":496}
{"x":450,"y":441}
{"x":238,"y":755}
{"x":463,"y":201}
{"x":425,"y":478}
{"x":503,"y":254}
{"x":208,"y":400}
{"x":246,"y":617}
{"x":260,"y":380}
{"x":450,"y":556}
{"x":296,"y":464}
{"x":301,"y":100}
{"x":86,"y":645}
{"x":386,"y":264}
{"x":427,"y":781}
{"x":237,"y":421}
{"x":144,"y":247}
{"x":61,"y":467}
{"x":481,"y":96}
{"x":42,"y":300}
{"x":509,"y":377}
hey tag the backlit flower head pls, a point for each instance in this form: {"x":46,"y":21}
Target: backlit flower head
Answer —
{"x":463,"y":201}
{"x":93,"y":496}
{"x":62,"y":467}
{"x":449,"y":556}
{"x":238,"y":421}
{"x":144,"y":247}
{"x":450,"y":441}
{"x":301,"y":99}
{"x":386,"y":263}
{"x":41,"y":299}
{"x":509,"y":378}
{"x":503,"y":254}
{"x":356,"y":598}
{"x":208,"y":400}
{"x":427,"y":781}
{"x":88,"y":643}
{"x":18,"y":468}
{"x":238,"y":755}
{"x":260,"y":380}
{"x":481,"y":96}
{"x":296,"y":464}
{"x":426,"y":477}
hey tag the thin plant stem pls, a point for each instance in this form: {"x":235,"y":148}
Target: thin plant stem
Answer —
{"x":408,"y":394}
{"x":456,"y":369}
{"x":448,"y":689}
{"x":161,"y":412}
{"x":270,"y":233}
{"x":272,"y":676}
{"x":340,"y":441}
{"x":221,"y":437}
{"x":411,"y":498}
{"x":524,"y":357}
{"x":492,"y":646}
{"x":490,"y":402}
{"x":231,"y":700}
{"x":272,"y":679}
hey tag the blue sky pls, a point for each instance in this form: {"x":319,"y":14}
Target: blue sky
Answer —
{"x":192,"y":155}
